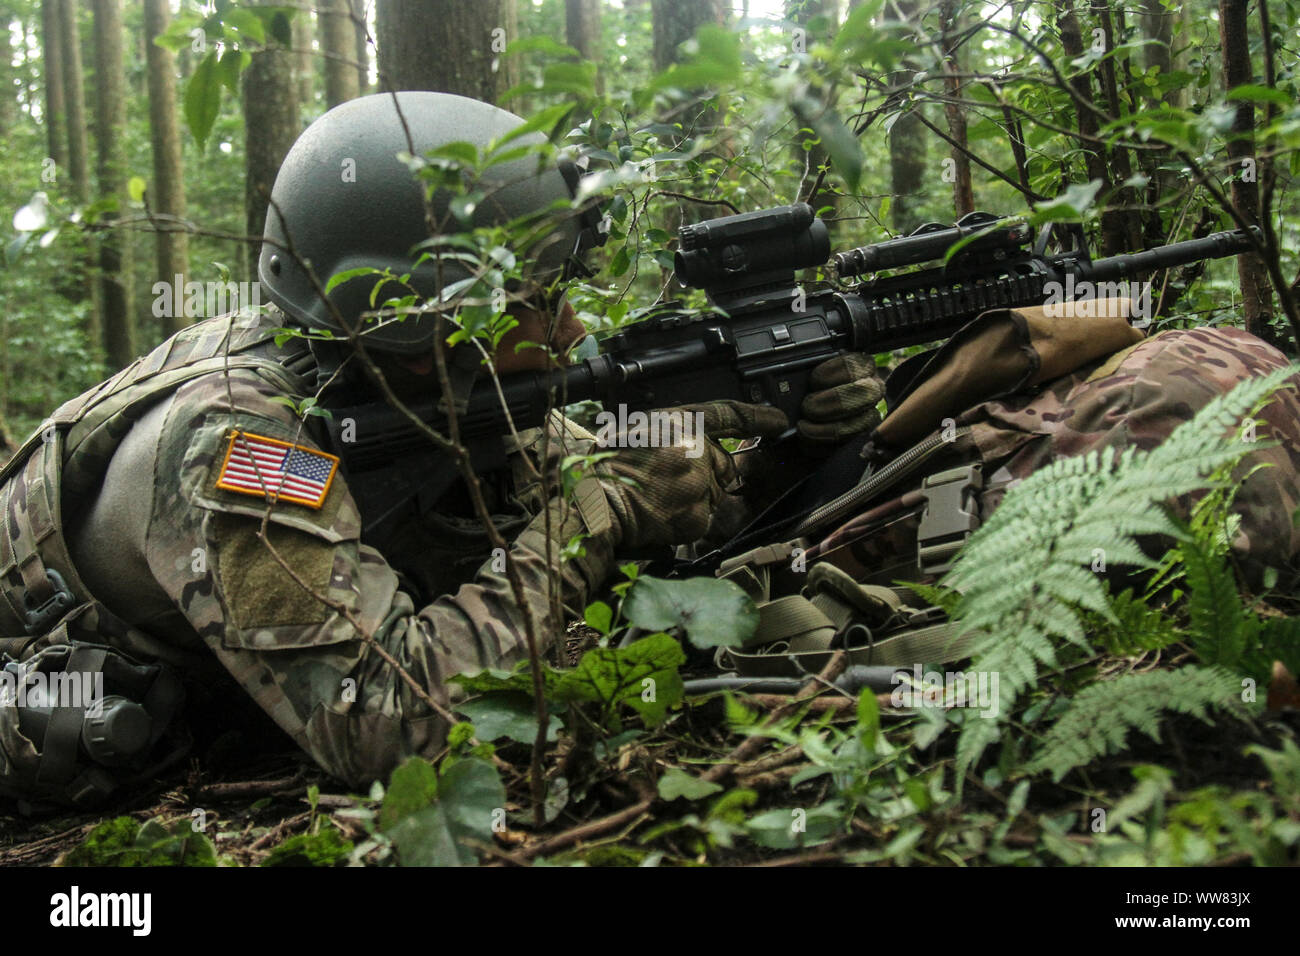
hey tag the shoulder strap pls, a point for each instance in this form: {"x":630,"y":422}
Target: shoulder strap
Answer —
{"x":67,"y":455}
{"x":799,"y":632}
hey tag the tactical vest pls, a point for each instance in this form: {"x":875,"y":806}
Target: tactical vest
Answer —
{"x":66,"y":458}
{"x":49,"y":622}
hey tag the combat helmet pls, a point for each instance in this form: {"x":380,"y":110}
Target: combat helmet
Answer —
{"x":347,"y":198}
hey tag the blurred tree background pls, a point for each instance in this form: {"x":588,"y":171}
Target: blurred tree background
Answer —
{"x":131,"y":161}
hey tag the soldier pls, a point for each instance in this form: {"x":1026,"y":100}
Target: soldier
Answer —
{"x":183,"y":513}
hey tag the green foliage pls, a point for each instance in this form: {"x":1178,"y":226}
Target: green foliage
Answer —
{"x":203,"y":98}
{"x":1023,"y":574}
{"x":505,"y":715}
{"x":1100,"y":717}
{"x":642,"y":675}
{"x":231,"y":32}
{"x":713,"y":61}
{"x":1133,"y":627}
{"x":747,"y":118}
{"x":1070,"y":206}
{"x":323,"y":848}
{"x":786,"y":829}
{"x":711,"y":612}
{"x":433,"y":819}
{"x":1221,"y":629}
{"x":721,"y":827}
{"x":493,"y":680}
{"x":677,"y":784}
{"x":123,"y":841}
{"x":1152,"y":825}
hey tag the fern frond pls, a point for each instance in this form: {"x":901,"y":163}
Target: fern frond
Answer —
{"x":1101,"y":716}
{"x":1137,"y":627}
{"x":1023,"y":575}
{"x":1280,"y":641}
{"x":1220,"y":624}
{"x":937,"y":595}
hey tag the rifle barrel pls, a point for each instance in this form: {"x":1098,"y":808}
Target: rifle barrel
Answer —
{"x":1218,"y":245}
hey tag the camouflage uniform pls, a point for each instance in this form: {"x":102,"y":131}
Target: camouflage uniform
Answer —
{"x":1136,"y":396}
{"x":153,"y":538}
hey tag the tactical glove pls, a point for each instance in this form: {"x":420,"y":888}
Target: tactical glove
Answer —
{"x":842,"y":402}
{"x":677,"y":486}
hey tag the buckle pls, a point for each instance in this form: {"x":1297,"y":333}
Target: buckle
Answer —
{"x":951,"y":514}
{"x":38,"y":619}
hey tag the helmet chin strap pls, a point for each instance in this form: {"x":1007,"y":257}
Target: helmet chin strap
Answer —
{"x":342,"y":377}
{"x":336,"y":367}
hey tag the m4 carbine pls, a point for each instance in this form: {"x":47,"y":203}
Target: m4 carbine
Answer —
{"x":764,"y":336}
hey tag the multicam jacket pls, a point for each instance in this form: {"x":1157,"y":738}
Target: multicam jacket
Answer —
{"x":328,"y":635}
{"x":1136,"y":396}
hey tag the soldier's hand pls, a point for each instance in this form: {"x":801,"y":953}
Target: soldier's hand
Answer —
{"x":842,"y":400}
{"x":678,"y":485}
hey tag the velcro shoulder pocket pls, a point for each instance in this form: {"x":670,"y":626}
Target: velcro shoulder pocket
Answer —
{"x":283,"y":567}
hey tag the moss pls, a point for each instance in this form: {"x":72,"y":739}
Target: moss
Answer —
{"x":325,"y":848}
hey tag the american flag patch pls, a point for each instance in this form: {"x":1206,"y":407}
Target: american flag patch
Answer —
{"x":270,"y":468}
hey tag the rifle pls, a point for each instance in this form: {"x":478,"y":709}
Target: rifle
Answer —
{"x":763,"y":337}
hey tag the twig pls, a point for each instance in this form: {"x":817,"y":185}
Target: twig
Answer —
{"x":810,"y":858}
{"x":753,"y":743}
{"x":696,"y":199}
{"x":269,"y":836}
{"x":249,"y":788}
{"x":772,"y":780}
{"x":594,"y":828}
{"x":491,"y":849}
{"x":772,"y":761}
{"x":818,"y":705}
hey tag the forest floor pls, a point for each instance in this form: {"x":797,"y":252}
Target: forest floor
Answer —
{"x":249,"y":807}
{"x":248,"y":818}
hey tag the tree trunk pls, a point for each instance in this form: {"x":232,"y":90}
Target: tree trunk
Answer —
{"x":1114,"y":232}
{"x":171,"y":249}
{"x":443,"y":45}
{"x":963,"y":194}
{"x":9,"y":95}
{"x":675,"y":22}
{"x":52,"y":71}
{"x":338,"y":47}
{"x":110,"y":126}
{"x":582,"y":27}
{"x":304,"y":63}
{"x":363,"y":46}
{"x":1256,"y":294}
{"x":1119,"y":162}
{"x":1158,"y":28}
{"x":74,"y":101}
{"x":509,"y":66}
{"x":907,"y":143}
{"x":583,"y":33}
{"x":1157,"y":25}
{"x":270,"y":128}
